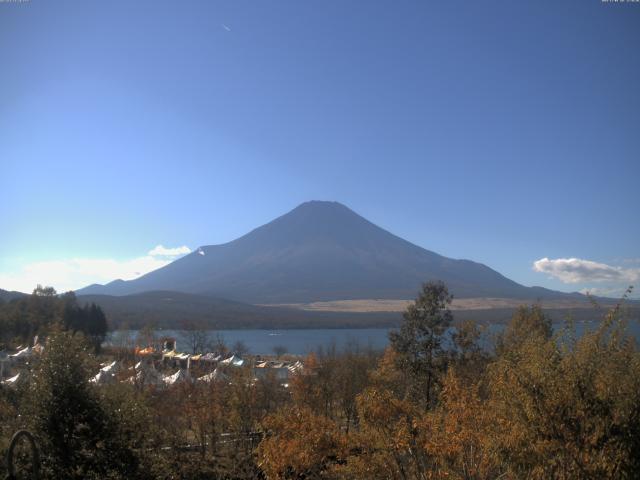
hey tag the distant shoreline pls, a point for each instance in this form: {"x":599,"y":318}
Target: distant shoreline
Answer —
{"x":387,"y":305}
{"x":349,"y":320}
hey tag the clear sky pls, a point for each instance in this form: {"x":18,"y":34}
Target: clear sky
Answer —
{"x":505,"y":132}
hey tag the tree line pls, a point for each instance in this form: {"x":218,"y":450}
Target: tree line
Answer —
{"x":22,"y":319}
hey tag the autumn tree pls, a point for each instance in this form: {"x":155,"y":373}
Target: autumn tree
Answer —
{"x":468,"y":356}
{"x":386,"y":444}
{"x":419,"y":341}
{"x":350,"y":378}
{"x":455,"y":434}
{"x":299,"y":444}
{"x":306,"y":386}
{"x":568,"y":409}
{"x":527,"y":322}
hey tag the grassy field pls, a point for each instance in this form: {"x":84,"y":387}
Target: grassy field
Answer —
{"x":380,"y":305}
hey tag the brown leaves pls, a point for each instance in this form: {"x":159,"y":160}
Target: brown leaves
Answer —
{"x":299,"y":444}
{"x":567,"y":410}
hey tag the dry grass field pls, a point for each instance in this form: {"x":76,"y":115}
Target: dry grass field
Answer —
{"x":381,"y":305}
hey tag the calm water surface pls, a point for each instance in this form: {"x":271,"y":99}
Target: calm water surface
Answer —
{"x":302,"y":341}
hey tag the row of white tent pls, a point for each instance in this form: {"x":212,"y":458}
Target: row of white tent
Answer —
{"x":233,"y":360}
{"x":281,"y":370}
{"x":292,"y":367}
{"x":146,"y":374}
{"x":21,"y":355}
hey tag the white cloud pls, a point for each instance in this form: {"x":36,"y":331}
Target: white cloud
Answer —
{"x":162,"y":251}
{"x":576,"y":270}
{"x":74,"y":273}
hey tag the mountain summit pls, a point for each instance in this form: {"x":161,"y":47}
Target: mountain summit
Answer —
{"x":319,"y":251}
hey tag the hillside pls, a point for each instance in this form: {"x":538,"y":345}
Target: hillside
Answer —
{"x":320,"y":251}
{"x":175,"y":310}
{"x":182,"y":310}
{"x":7,"y":296}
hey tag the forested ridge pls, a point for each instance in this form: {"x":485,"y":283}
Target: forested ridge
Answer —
{"x":28,"y":316}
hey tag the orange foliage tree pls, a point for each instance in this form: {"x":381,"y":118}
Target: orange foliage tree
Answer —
{"x":299,"y":444}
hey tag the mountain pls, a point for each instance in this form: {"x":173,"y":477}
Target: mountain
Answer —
{"x":320,"y":251}
{"x":7,"y":296}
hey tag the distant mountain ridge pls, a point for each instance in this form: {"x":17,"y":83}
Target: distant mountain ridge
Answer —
{"x":182,"y":310}
{"x":176,"y":310}
{"x":320,"y":251}
{"x":7,"y":296}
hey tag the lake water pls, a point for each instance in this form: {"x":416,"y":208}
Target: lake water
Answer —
{"x":301,"y":341}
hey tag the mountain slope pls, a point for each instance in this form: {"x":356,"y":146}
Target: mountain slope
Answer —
{"x":7,"y":296}
{"x":319,"y":251}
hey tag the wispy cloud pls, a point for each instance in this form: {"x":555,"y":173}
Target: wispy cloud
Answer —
{"x":74,"y":273}
{"x":226,"y":27}
{"x":577,"y":270}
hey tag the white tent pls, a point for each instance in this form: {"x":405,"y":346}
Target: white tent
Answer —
{"x":233,"y":360}
{"x":212,"y":377}
{"x":211,"y":357}
{"x":143,"y":366}
{"x":24,"y":353}
{"x":111,"y":368}
{"x":146,"y":374}
{"x":12,"y":381}
{"x":180,"y":376}
{"x":103,"y":378}
{"x":296,"y":367}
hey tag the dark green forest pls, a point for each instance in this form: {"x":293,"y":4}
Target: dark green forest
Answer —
{"x":37,"y":314}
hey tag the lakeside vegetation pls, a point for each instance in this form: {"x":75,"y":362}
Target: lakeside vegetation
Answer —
{"x":541,"y":405}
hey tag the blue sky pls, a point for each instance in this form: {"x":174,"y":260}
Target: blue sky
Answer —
{"x":503,"y":132}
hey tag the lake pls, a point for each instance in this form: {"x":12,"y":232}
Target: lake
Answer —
{"x":303,"y":341}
